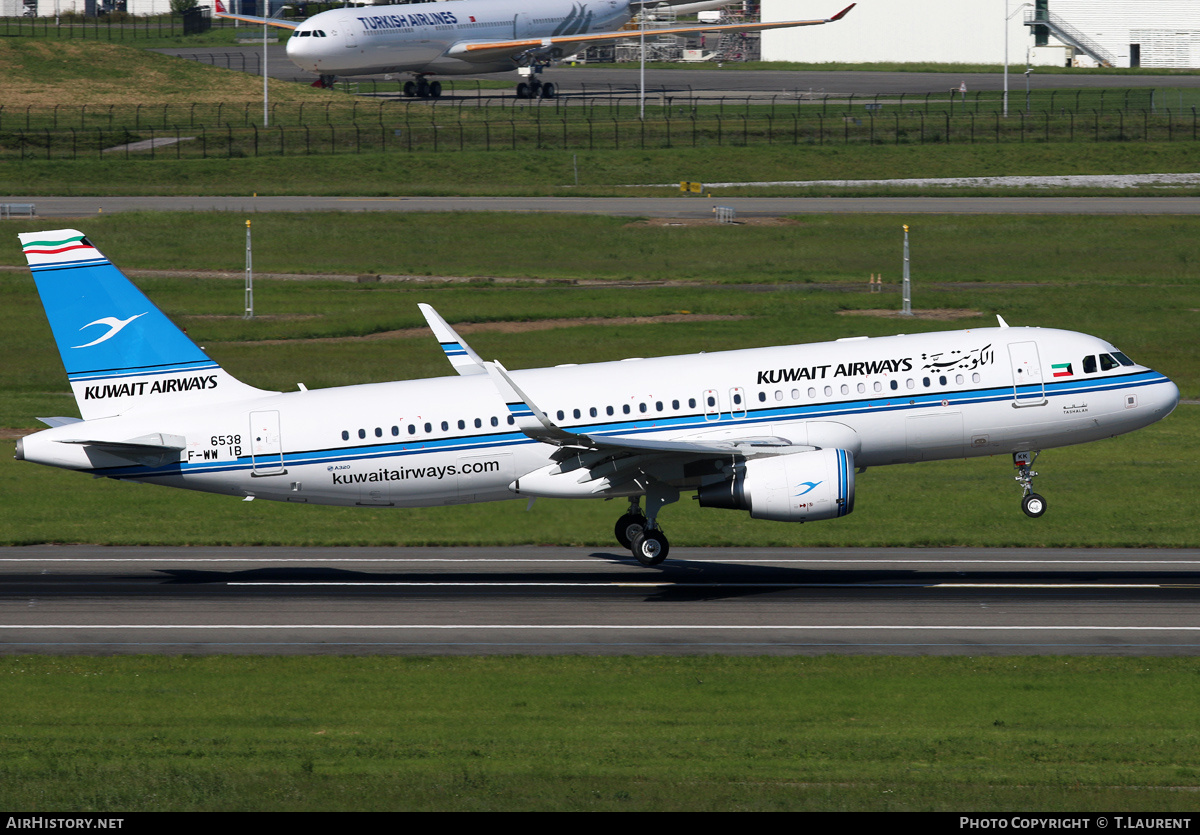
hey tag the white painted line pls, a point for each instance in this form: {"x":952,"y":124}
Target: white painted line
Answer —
{"x":594,"y":560}
{"x":606,"y":627}
{"x":636,"y":585}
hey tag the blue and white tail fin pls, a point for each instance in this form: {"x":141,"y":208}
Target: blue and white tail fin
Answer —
{"x":120,"y":351}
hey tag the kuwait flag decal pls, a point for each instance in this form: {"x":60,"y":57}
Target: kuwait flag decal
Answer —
{"x":1062,"y":369}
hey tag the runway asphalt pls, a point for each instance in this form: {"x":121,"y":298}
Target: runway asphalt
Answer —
{"x":535,"y":600}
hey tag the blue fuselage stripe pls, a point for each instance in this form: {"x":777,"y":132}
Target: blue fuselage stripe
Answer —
{"x":475,"y":443}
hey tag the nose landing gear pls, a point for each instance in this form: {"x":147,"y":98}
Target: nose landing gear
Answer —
{"x":1033,"y":504}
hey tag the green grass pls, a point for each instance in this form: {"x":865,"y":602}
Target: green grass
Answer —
{"x":1161,"y":252}
{"x":601,"y":172}
{"x":881,"y":734}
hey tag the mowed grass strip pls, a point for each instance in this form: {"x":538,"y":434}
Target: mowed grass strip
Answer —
{"x":572,"y":733}
{"x":623,"y":173}
{"x":1141,"y":250}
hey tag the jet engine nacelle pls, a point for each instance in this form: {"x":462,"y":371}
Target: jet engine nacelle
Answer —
{"x":801,"y":487}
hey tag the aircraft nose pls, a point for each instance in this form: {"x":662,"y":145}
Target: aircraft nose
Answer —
{"x":1168,"y":398}
{"x":300,"y":53}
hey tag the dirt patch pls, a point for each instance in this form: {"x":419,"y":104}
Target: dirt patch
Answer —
{"x":264,"y":317}
{"x":942,"y":315}
{"x":511,"y":327}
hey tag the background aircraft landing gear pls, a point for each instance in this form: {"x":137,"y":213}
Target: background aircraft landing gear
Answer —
{"x":325,"y":82}
{"x":536,"y":89}
{"x":1031,"y":503}
{"x":423,"y":88}
{"x":532,"y":87}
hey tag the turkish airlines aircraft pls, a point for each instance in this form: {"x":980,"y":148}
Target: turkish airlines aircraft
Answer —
{"x":774,"y":431}
{"x":467,"y":37}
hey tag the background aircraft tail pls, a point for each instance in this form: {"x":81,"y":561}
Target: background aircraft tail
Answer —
{"x":120,"y":351}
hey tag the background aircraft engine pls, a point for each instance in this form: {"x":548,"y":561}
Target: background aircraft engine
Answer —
{"x":801,"y":487}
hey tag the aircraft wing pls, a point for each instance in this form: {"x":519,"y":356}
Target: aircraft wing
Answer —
{"x":490,"y":50}
{"x":265,"y":21}
{"x":618,"y":465}
{"x":464,"y":360}
{"x":534,"y":423}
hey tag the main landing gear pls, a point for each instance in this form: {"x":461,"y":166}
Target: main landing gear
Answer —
{"x":423,"y":88}
{"x":1033,"y":504}
{"x":535,"y":88}
{"x":639,"y":532}
{"x":325,"y":82}
{"x":532,"y":87}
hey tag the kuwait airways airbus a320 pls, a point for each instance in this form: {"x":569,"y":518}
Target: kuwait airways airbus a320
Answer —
{"x":468,"y":37}
{"x":775,"y":431}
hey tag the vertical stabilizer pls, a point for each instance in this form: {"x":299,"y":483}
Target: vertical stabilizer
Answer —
{"x":119,"y":350}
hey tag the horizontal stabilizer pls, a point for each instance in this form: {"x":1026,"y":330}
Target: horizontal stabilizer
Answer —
{"x":148,"y":450}
{"x":60,"y":421}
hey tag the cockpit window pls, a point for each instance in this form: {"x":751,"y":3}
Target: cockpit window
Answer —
{"x":1089,"y":365}
{"x":1107,"y":363}
{"x":1121,"y":358}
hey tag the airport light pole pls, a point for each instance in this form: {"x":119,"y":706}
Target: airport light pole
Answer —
{"x":642,"y":74}
{"x":1007,"y":18}
{"x":264,"y":74}
{"x":249,"y":312}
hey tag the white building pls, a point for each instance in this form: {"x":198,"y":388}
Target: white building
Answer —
{"x":49,"y":8}
{"x":1147,"y":33}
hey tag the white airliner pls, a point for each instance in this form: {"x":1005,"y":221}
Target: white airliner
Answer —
{"x":774,"y":431}
{"x":468,"y":37}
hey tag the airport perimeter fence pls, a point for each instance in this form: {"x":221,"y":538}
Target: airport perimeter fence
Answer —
{"x":361,"y":126}
{"x":114,"y":26}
